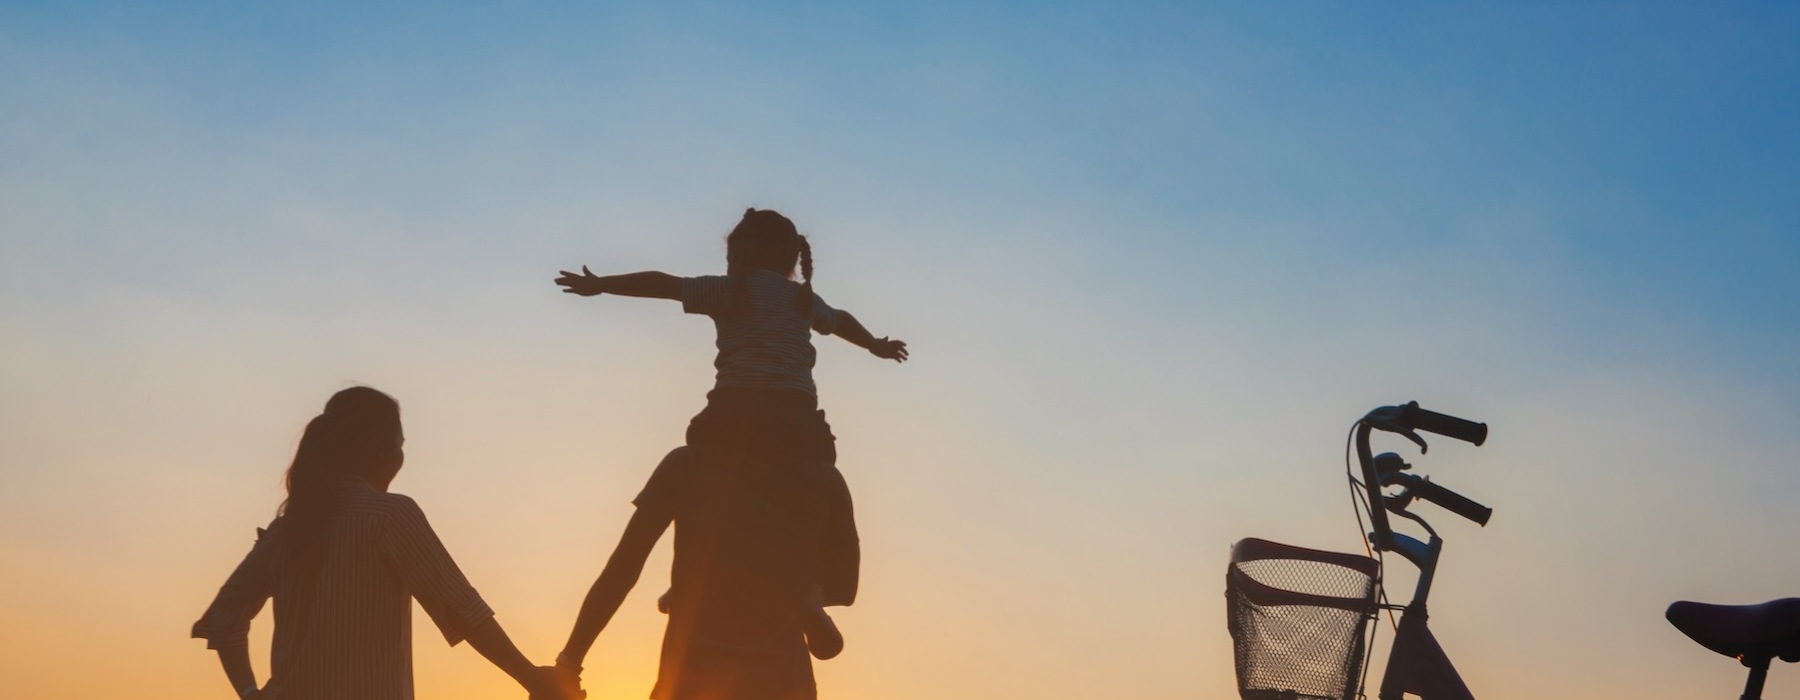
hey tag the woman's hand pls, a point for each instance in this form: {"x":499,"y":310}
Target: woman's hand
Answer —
{"x":888,"y":349}
{"x":586,"y":284}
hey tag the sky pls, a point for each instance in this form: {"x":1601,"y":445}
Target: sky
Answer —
{"x":1152,"y":260}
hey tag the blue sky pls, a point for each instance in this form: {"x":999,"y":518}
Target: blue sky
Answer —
{"x":1152,"y":261}
{"x":1649,"y":143}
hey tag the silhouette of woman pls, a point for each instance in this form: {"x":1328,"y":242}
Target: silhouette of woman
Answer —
{"x":765,"y":536}
{"x":343,"y":561}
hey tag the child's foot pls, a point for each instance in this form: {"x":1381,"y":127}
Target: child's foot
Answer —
{"x":822,"y":636}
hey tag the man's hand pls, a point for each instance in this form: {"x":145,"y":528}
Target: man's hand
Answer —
{"x":585,"y":284}
{"x":889,"y":349}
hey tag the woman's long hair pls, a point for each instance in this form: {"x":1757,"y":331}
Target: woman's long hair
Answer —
{"x":357,"y":435}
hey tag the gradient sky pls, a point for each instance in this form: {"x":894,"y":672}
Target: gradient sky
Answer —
{"x":1152,"y":261}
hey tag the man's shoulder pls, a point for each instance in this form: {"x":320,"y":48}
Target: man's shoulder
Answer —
{"x":680,"y":463}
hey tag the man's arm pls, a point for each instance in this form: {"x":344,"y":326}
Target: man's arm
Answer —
{"x":852,"y":330}
{"x":655,"y":285}
{"x":608,"y":592}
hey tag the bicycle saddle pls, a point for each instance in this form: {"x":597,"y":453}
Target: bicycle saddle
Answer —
{"x":1742,"y":632}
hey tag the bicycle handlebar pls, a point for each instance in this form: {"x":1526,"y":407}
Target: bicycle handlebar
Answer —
{"x":1405,"y":420}
{"x":1446,"y":425}
{"x":1451,"y":501}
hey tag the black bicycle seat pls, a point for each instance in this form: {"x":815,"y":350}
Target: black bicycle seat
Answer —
{"x":1769,"y":630}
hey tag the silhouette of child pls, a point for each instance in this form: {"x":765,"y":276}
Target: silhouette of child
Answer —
{"x":764,"y":384}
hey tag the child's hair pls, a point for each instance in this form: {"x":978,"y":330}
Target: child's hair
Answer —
{"x":766,"y":240}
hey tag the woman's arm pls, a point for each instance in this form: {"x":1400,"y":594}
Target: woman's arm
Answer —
{"x":608,"y":592}
{"x":236,"y":662}
{"x":656,"y":285}
{"x":226,"y":624}
{"x":852,"y":330}
{"x":541,"y":682}
{"x":416,"y":556}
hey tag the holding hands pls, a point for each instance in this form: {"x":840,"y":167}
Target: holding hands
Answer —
{"x":557,"y":683}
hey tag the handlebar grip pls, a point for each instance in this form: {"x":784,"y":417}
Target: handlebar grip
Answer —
{"x":1446,"y":425}
{"x":1452,"y":501}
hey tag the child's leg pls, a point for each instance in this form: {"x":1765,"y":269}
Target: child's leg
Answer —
{"x":822,"y":636}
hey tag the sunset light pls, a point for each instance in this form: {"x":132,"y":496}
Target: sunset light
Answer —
{"x":1151,"y":261}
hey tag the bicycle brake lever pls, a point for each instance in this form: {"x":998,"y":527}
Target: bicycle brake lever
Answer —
{"x":1414,"y":436}
{"x":1387,"y":419}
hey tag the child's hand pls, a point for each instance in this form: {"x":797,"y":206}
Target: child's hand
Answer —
{"x":889,"y":349}
{"x":585,"y":284}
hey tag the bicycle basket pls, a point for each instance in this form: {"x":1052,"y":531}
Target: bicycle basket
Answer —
{"x":1298,"y":620}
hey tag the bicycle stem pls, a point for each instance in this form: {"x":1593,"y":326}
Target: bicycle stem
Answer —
{"x":1423,"y":555}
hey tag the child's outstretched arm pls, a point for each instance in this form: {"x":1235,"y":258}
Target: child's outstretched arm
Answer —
{"x":852,"y":330}
{"x":656,"y":285}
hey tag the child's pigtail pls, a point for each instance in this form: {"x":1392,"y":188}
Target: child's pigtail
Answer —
{"x":805,"y":300}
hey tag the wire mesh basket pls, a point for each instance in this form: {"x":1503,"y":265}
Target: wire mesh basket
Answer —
{"x":1299,"y":620}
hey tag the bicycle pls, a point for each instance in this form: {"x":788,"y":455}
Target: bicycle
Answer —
{"x":1301,"y":620}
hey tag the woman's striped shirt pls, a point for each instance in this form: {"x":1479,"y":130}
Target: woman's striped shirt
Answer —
{"x":345,"y":633}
